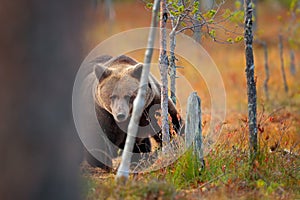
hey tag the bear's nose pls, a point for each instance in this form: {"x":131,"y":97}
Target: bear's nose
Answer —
{"x":121,"y":117}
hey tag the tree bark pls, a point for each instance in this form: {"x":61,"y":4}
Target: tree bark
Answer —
{"x":109,"y":10}
{"x":251,"y":85}
{"x":207,"y":4}
{"x":173,"y":65}
{"x":286,"y":89}
{"x":197,"y":28}
{"x":175,"y":22}
{"x":266,"y":88}
{"x":139,"y":102}
{"x":292,"y":64}
{"x":193,"y":127}
{"x":254,"y":23}
{"x":163,"y":65}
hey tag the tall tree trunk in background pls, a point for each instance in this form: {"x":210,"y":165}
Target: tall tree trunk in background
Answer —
{"x":109,"y":9}
{"x":266,"y":88}
{"x":251,"y":85}
{"x":292,"y":62}
{"x":163,"y":65}
{"x":286,"y":89}
{"x":40,"y":52}
{"x":139,"y":102}
{"x":197,"y":29}
{"x":254,"y":28}
{"x":207,"y":4}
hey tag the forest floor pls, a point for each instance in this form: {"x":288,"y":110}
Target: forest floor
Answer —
{"x":276,"y":172}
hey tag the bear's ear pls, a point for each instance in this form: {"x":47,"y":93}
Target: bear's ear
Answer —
{"x":101,"y":72}
{"x":136,"y":72}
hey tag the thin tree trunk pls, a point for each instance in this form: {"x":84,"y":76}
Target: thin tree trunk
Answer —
{"x":139,"y":102}
{"x":255,"y":15}
{"x":292,"y":64}
{"x":251,"y":85}
{"x":266,"y":89}
{"x":173,"y":65}
{"x":197,"y":28}
{"x":286,"y":89}
{"x":207,"y":4}
{"x":163,"y":65}
{"x":242,"y":3}
{"x":109,"y":10}
{"x":254,"y":23}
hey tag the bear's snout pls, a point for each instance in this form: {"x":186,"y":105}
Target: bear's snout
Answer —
{"x":121,"y":117}
{"x":120,"y":110}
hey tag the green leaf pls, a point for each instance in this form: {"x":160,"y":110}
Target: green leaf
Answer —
{"x":230,"y":40}
{"x":238,"y":38}
{"x":260,"y":183}
{"x":212,"y":33}
{"x":175,"y":6}
{"x":196,"y":4}
{"x":181,"y":8}
{"x":211,"y":13}
{"x":227,"y":13}
{"x":293,"y":5}
{"x":237,"y":17}
{"x":173,"y":13}
{"x":195,"y":7}
{"x":149,"y":5}
{"x":238,"y":4}
{"x":195,"y":10}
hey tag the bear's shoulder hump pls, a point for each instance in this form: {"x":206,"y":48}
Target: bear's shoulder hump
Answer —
{"x":122,"y":60}
{"x":102,"y":59}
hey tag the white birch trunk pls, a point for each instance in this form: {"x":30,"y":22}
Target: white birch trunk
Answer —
{"x":173,"y":65}
{"x":163,"y":65}
{"x":139,"y":102}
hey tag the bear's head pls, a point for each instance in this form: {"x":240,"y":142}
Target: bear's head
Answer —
{"x":117,"y":88}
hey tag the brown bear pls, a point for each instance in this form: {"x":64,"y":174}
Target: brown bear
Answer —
{"x":117,"y":85}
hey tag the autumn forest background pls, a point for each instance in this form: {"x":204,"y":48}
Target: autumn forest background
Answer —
{"x":42,"y":46}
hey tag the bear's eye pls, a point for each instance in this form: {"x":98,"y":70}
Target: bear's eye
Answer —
{"x":113,"y":97}
{"x":127,"y":97}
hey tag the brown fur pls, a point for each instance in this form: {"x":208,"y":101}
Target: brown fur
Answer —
{"x":118,"y":82}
